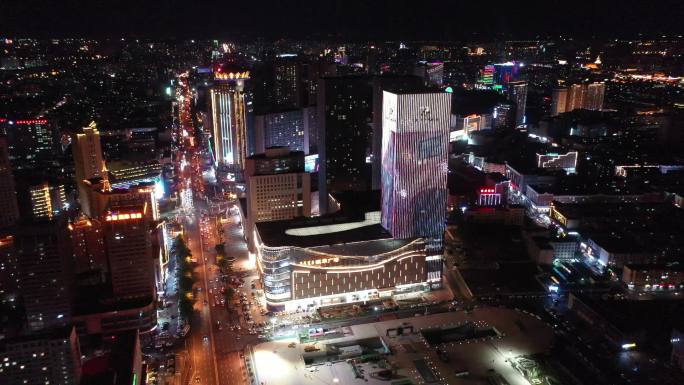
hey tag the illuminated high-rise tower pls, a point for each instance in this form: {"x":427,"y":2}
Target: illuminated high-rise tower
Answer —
{"x":228,"y":116}
{"x":517,"y":93}
{"x":576,"y":93}
{"x":87,"y":153}
{"x":593,"y":99}
{"x":487,"y":75}
{"x":129,"y":251}
{"x":88,"y":160}
{"x":287,"y":81}
{"x":415,"y":143}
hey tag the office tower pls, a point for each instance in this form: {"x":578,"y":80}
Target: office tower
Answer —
{"x":344,"y":135}
{"x":575,"y":97}
{"x":88,"y":160}
{"x":310,"y":123}
{"x":380,"y":84}
{"x":9,"y":209}
{"x":129,"y":251}
{"x":593,"y":98}
{"x":403,"y":62}
{"x":46,"y":200}
{"x":31,"y":142}
{"x":287,"y":82}
{"x":415,"y":143}
{"x":277,"y":187}
{"x":87,"y":151}
{"x":503,"y":116}
{"x":278,"y":129}
{"x":45,"y":273}
{"x":432,"y":73}
{"x":39,"y":198}
{"x":559,"y":98}
{"x":50,"y":357}
{"x":87,"y":239}
{"x":517,"y":93}
{"x":312,"y":72}
{"x":228,"y":116}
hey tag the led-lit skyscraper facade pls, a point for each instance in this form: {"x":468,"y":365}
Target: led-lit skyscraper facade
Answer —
{"x":517,"y":93}
{"x":415,"y":142}
{"x":487,"y":75}
{"x":228,"y":116}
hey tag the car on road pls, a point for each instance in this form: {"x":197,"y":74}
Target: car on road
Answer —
{"x":205,"y":339}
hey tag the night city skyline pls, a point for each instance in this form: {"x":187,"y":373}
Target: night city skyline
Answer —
{"x":341,"y":193}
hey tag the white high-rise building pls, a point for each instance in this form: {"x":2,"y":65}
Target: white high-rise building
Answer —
{"x":415,"y":141}
{"x":277,"y":188}
{"x":415,"y":149}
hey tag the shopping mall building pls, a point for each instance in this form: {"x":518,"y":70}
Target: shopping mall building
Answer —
{"x":340,"y":258}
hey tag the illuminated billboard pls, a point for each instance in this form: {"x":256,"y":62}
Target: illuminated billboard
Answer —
{"x":311,"y":163}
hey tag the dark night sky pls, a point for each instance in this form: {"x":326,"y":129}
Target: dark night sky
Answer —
{"x":351,"y":19}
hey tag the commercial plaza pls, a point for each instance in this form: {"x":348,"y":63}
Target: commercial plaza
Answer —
{"x":328,"y":267}
{"x":470,"y":347}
